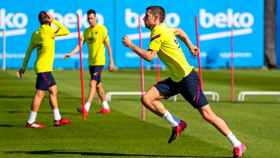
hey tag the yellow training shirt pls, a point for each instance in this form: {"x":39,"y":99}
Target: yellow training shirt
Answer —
{"x":163,"y":40}
{"x":44,"y":41}
{"x":95,"y":38}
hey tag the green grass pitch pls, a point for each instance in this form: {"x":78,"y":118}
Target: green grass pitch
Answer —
{"x":123,"y":134}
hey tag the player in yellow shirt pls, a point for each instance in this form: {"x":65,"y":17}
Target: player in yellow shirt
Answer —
{"x":44,"y":41}
{"x":183,"y":79}
{"x":96,"y":37}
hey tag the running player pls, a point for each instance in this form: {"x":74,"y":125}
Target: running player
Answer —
{"x":183,"y":79}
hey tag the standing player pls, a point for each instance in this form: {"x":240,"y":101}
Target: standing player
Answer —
{"x":183,"y":79}
{"x":96,"y":37}
{"x":44,"y":41}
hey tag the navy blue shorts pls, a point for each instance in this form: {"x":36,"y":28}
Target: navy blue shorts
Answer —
{"x":44,"y":81}
{"x":95,"y":73}
{"x":188,"y":87}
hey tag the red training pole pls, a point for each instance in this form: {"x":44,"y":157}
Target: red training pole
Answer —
{"x":84,"y":113}
{"x":232,"y":85}
{"x":198,"y":55}
{"x":158,"y":70}
{"x":143,"y":114}
{"x":200,"y":85}
{"x":4,"y":46}
{"x":4,"y":53}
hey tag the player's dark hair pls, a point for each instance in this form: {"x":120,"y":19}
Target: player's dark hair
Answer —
{"x":43,"y":17}
{"x":157,"y":10}
{"x":91,"y":11}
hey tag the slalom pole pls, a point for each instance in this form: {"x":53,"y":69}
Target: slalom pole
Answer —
{"x":158,"y":70}
{"x":143,"y":114}
{"x":232,"y":84}
{"x":200,"y":85}
{"x":4,"y":53}
{"x":84,"y":113}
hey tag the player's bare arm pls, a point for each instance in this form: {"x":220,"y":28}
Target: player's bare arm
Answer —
{"x":184,"y":37}
{"x":74,"y":51}
{"x":111,"y":60}
{"x":28,"y":53}
{"x":147,"y":55}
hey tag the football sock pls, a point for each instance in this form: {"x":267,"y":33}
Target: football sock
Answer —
{"x":105,"y":105}
{"x":32,"y":117}
{"x":87,"y":106}
{"x":56,"y":114}
{"x":171,"y":119}
{"x":234,"y":141}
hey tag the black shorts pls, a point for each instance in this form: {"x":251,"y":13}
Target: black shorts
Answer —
{"x":188,"y":87}
{"x":95,"y":73}
{"x":44,"y":81}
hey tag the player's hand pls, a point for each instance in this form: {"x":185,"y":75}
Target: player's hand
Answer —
{"x":194,"y":50}
{"x":20,"y":73}
{"x":112,"y":67}
{"x":66,"y":56}
{"x":50,"y":17}
{"x":127,"y":42}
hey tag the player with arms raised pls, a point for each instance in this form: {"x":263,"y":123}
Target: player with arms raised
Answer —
{"x":44,"y":41}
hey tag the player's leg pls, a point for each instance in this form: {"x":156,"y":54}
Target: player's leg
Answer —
{"x":53,"y":97}
{"x":190,"y":90}
{"x":208,"y":114}
{"x":52,"y":89}
{"x":58,"y":120}
{"x":36,"y":103}
{"x":99,"y":99}
{"x":151,"y":100}
{"x":213,"y":119}
{"x":101,"y":93}
{"x":92,"y":91}
{"x":95,"y":74}
{"x":37,"y":100}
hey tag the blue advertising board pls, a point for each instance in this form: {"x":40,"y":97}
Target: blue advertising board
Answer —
{"x":217,"y":25}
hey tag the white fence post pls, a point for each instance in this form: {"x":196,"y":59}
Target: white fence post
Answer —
{"x":242,"y":94}
{"x":214,"y":95}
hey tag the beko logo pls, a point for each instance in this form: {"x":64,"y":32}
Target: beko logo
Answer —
{"x":69,"y":20}
{"x":240,"y":23}
{"x":13,"y":23}
{"x":131,"y":19}
{"x":228,"y":19}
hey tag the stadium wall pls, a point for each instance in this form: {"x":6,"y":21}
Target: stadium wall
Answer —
{"x":216,"y":20}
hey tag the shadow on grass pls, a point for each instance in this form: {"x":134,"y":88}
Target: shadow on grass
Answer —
{"x":105,"y":154}
{"x":6,"y":125}
{"x":41,"y":112}
{"x":16,"y":96}
{"x":12,"y":96}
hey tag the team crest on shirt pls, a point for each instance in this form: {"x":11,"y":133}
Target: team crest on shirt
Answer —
{"x":39,"y":45}
{"x":91,"y":37}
